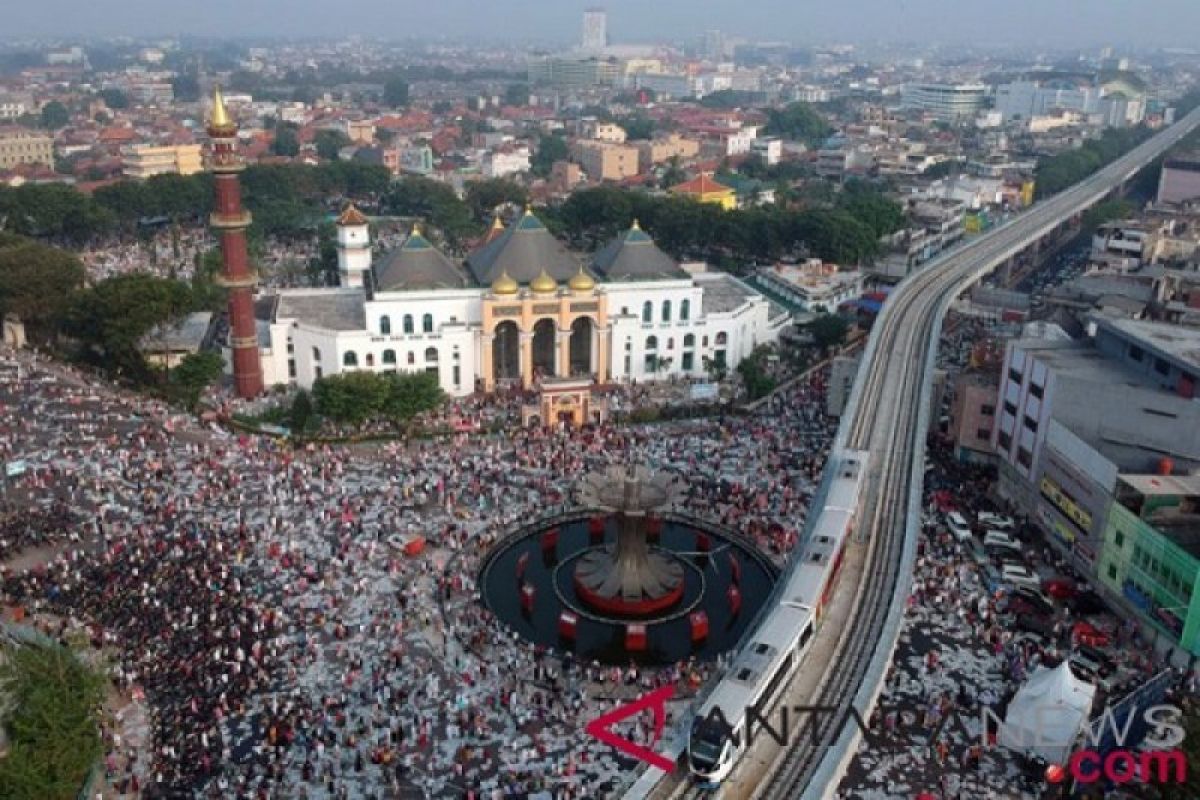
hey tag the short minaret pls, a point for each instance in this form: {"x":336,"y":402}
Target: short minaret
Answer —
{"x":229,"y":222}
{"x":353,"y":247}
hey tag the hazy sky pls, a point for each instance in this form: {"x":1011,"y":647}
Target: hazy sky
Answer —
{"x":1142,"y":22}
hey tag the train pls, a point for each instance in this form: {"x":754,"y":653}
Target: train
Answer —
{"x":770,"y":656}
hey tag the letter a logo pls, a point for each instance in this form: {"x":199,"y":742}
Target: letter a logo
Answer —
{"x":601,"y":727}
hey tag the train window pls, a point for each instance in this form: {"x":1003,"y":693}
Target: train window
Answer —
{"x":761,"y":648}
{"x":773,"y":684}
{"x":744,"y":674}
{"x":824,"y":539}
{"x":806,"y":635}
{"x":816,"y":557}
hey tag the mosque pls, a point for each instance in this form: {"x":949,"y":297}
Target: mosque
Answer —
{"x":522,"y":310}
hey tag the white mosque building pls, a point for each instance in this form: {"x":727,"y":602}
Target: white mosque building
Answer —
{"x":522,"y":310}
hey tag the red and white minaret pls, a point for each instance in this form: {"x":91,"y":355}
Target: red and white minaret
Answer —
{"x":230,"y":221}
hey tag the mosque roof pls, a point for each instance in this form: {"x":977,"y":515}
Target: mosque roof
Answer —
{"x":523,"y":251}
{"x":417,"y":265}
{"x":633,"y":255}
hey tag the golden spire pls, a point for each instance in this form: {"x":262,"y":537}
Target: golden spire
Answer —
{"x":220,"y":117}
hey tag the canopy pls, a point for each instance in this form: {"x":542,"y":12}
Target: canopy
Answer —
{"x":1047,"y":714}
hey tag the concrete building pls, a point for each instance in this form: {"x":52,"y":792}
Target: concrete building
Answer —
{"x":973,"y":414}
{"x":595,"y":30}
{"x":143,"y":160}
{"x":168,"y":345}
{"x":813,"y":285}
{"x":19,"y":146}
{"x":662,"y":149}
{"x":498,"y":164}
{"x":152,"y":93}
{"x":604,"y":161}
{"x":1180,"y":179}
{"x":573,"y":74}
{"x":416,"y":159}
{"x":768,"y":148}
{"x":946,"y":102}
{"x":602,"y":131}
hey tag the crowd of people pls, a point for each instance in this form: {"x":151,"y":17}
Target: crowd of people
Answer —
{"x":259,"y":597}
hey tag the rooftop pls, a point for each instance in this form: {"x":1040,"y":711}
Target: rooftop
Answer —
{"x":331,"y":309}
{"x":722,"y":293}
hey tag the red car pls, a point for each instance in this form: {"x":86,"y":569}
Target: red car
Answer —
{"x":1059,"y":588}
{"x":1086,"y":633}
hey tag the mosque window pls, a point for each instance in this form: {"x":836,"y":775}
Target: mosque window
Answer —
{"x":389,"y":357}
{"x":317,"y":355}
{"x":690,"y":339}
{"x":412,"y":358}
{"x":651,"y":342}
{"x":408,"y":323}
{"x":431,"y":355}
{"x":666,"y":314}
{"x":722,"y":338}
{"x":427,"y":323}
{"x":370,"y":359}
{"x":685,"y":310}
{"x":385,"y":325}
{"x":350,"y":359}
{"x":647,"y":311}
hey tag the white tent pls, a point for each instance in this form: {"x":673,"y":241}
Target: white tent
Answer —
{"x":1047,"y":714}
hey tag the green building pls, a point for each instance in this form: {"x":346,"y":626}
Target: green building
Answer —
{"x":1151,"y":552}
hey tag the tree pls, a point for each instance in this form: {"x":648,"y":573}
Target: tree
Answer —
{"x":329,"y":142}
{"x":193,"y":375}
{"x":351,"y":398}
{"x":754,"y":377}
{"x":55,"y":115}
{"x":323,"y":267}
{"x":301,"y":414}
{"x":186,"y":88}
{"x":37,"y":283}
{"x":110,"y":319}
{"x":798,"y":121}
{"x":484,"y":197}
{"x":637,"y":127}
{"x":114,"y":98}
{"x":435,"y":202}
{"x":395,"y":92}
{"x":828,"y":330}
{"x":410,"y":394}
{"x":516,"y":94}
{"x":550,"y":148}
{"x":673,"y":175}
{"x":286,"y":142}
{"x":881,"y":214}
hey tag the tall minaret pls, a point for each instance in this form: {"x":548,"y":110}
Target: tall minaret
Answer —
{"x":353,"y":247}
{"x":230,"y":221}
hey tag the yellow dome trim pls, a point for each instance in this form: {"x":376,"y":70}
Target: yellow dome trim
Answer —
{"x":505,"y":285}
{"x":543,"y":284}
{"x":581,"y":282}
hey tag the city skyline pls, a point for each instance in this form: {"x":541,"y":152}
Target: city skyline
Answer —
{"x":1035,"y":22}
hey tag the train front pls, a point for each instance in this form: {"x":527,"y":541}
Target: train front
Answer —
{"x":711,"y":752}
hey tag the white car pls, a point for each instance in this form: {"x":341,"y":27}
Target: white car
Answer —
{"x":1000,"y":539}
{"x":1019,"y":575}
{"x":958,"y":526}
{"x":997,"y":522}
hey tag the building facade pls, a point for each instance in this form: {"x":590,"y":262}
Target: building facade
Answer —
{"x":143,"y":161}
{"x":522,"y":309}
{"x":946,"y":102}
{"x":604,"y":161}
{"x":19,"y":146}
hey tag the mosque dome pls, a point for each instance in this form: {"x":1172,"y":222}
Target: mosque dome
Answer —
{"x":505,"y":285}
{"x":543,"y":284}
{"x":581,"y":282}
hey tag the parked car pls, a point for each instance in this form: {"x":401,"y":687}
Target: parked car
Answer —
{"x":1000,"y":538}
{"x":1059,"y":588}
{"x":1085,"y":633}
{"x":1019,"y":575}
{"x":1034,"y":624}
{"x":994,"y":521}
{"x":957,"y":524}
{"x":1087,"y":602}
{"x":1033,"y":598}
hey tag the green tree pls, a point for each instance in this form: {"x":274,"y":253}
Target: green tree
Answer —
{"x":351,"y":398}
{"x":114,"y":98}
{"x":828,"y":331}
{"x":881,"y":214}
{"x":436,"y":203}
{"x":286,"y":142}
{"x":673,"y":175}
{"x":37,"y":283}
{"x":54,"y":726}
{"x":754,"y":375}
{"x":194,"y":374}
{"x":301,"y":414}
{"x":484,"y":197}
{"x":395,"y":92}
{"x":516,"y":94}
{"x":110,"y":319}
{"x":410,"y":394}
{"x":550,"y":148}
{"x":637,"y":127}
{"x":798,"y":121}
{"x":323,"y":267}
{"x":55,"y":115}
{"x":329,"y":142}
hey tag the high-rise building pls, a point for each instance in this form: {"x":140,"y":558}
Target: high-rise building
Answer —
{"x":229,"y":220}
{"x":946,"y":102}
{"x":595,"y":30}
{"x":19,"y":146}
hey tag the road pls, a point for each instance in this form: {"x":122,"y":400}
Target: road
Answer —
{"x":888,"y":415}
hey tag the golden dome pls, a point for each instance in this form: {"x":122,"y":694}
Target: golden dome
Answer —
{"x":581,"y":282}
{"x":505,"y":285}
{"x":543,"y":284}
{"x":219,"y":120}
